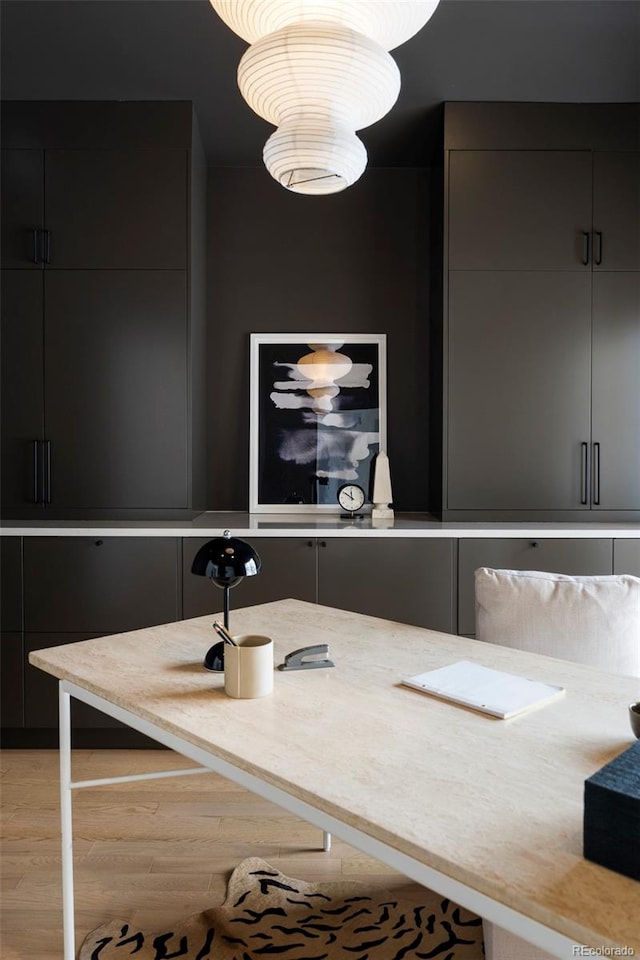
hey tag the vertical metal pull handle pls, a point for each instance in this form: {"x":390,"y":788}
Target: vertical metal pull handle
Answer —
{"x":586,"y":245}
{"x":596,"y":474}
{"x":36,"y":472}
{"x":47,"y":468}
{"x":584,"y":473}
{"x":46,"y":246}
{"x":597,"y":247}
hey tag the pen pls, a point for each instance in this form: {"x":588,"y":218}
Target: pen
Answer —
{"x":224,"y":633}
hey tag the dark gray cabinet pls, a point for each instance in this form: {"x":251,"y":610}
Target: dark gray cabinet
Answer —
{"x":616,"y":210}
{"x":542,"y":313}
{"x":11,"y":583}
{"x":544,"y":210}
{"x":11,"y":634}
{"x":519,"y":385}
{"x":22,"y":181}
{"x":615,"y":414}
{"x":41,"y":690}
{"x":79,"y":588}
{"x":12,"y":661}
{"x":103,"y":360}
{"x":579,"y":558}
{"x":22,"y":390}
{"x":100,"y":585}
{"x":519,"y":209}
{"x":288,"y":571}
{"x":116,"y":388}
{"x":626,"y":556}
{"x":408,"y":580}
{"x":117,"y":209}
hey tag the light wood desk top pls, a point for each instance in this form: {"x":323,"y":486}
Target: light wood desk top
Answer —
{"x":497,"y":805}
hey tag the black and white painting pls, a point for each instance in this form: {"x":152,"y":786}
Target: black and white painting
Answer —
{"x":318,"y":418}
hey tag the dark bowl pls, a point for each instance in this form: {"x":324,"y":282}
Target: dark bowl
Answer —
{"x":634,"y":718}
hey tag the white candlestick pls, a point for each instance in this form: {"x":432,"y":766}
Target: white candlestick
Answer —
{"x":382,"y":495}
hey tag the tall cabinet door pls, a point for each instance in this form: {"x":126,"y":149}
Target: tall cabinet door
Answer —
{"x":519,"y":209}
{"x":22,"y":389}
{"x":616,"y":391}
{"x":116,"y":388}
{"x":519,"y":389}
{"x":22,"y":207}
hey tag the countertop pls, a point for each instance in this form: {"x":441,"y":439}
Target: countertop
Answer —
{"x":240,"y":524}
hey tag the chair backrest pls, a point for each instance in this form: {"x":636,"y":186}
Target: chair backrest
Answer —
{"x":592,"y":620}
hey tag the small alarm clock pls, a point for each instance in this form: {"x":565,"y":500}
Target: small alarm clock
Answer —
{"x":351,"y":498}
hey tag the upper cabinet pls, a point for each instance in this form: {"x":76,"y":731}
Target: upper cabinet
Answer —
{"x":519,"y":209}
{"x":616,"y":210}
{"x":102,"y":209}
{"x":541,"y":312}
{"x":544,"y":210}
{"x":103,"y":308}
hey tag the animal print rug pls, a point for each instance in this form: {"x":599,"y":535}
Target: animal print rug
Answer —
{"x":268,"y":915}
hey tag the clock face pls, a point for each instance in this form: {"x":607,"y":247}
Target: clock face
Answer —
{"x":351,"y":496}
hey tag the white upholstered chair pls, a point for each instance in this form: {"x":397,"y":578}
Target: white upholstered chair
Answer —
{"x":592,"y":620}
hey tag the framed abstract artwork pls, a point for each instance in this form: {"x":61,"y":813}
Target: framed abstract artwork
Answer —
{"x":318,"y":418}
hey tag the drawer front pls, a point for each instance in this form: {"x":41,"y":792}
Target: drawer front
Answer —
{"x":288,"y":571}
{"x":11,"y":583}
{"x":406,"y":580}
{"x":95,"y":585}
{"x":574,"y":557}
{"x":626,"y":557}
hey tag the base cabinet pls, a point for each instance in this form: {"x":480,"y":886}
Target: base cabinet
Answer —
{"x":408,"y":580}
{"x":288,"y":571}
{"x":626,"y":557}
{"x":59,"y":590}
{"x":41,"y":690}
{"x":68,"y":589}
{"x":585,"y":558}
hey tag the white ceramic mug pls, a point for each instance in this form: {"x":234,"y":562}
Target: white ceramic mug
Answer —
{"x":248,"y":667}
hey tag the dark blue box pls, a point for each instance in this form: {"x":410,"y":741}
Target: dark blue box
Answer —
{"x":612,"y":814}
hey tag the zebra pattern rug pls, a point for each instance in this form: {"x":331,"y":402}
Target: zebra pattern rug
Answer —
{"x":268,"y":915}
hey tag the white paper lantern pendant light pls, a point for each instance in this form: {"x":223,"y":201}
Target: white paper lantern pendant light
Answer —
{"x":319,"y":70}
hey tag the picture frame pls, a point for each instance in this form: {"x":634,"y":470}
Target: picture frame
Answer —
{"x":317,"y":418}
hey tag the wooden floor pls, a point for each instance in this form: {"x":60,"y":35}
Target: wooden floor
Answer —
{"x":147,"y":852}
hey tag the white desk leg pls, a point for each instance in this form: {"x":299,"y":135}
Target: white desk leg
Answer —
{"x":326,"y":841}
{"x":68,"y":919}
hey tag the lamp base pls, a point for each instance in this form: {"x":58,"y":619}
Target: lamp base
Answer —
{"x":214,"y":659}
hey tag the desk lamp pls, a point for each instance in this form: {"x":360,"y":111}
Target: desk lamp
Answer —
{"x":226,"y":561}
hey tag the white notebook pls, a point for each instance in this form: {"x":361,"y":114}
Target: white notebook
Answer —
{"x":490,"y":691}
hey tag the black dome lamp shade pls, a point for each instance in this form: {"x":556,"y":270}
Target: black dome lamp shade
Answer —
{"x":225,"y":561}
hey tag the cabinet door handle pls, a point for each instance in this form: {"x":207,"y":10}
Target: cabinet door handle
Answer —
{"x":47,"y":471}
{"x":584,"y":473}
{"x":597,"y":247}
{"x":586,"y":245}
{"x":36,"y":471}
{"x":36,"y":246}
{"x":596,"y":474}
{"x":47,"y":246}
